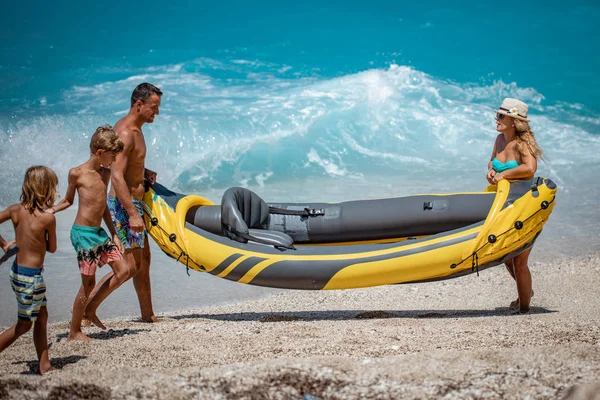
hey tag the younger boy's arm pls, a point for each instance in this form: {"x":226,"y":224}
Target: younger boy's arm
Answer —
{"x":51,"y":235}
{"x":69,"y":198}
{"x":5,"y":216}
{"x":3,"y":243}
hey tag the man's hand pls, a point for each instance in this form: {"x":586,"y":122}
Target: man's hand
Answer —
{"x":8,"y":245}
{"x":136,"y":223}
{"x":150,"y":176}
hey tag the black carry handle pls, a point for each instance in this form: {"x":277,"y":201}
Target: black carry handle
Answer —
{"x":306,"y":212}
{"x":12,"y":250}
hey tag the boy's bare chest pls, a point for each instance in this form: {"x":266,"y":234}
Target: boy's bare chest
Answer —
{"x":91,"y":184}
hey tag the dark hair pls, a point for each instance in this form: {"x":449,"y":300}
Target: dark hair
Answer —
{"x":143,"y":91}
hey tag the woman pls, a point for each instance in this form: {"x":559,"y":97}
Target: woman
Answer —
{"x":515,"y":156}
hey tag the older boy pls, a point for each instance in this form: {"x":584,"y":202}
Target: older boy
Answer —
{"x":93,"y":246}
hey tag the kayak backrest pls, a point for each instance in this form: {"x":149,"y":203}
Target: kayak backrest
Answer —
{"x":245,"y":216}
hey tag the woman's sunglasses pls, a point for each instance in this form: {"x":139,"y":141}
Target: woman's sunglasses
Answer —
{"x":499,"y":116}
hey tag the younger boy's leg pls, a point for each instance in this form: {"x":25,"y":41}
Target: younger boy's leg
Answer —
{"x":40,"y":339}
{"x":87,"y":285}
{"x":9,"y":336}
{"x":29,"y":288}
{"x":106,"y":286}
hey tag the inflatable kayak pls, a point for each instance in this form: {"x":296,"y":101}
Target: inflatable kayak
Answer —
{"x":350,"y":244}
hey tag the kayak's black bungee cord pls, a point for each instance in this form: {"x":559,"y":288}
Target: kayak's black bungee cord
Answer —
{"x":518,"y":225}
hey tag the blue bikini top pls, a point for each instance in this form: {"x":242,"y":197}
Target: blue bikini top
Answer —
{"x":499,"y":166}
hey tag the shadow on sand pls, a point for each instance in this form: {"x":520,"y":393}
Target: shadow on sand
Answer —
{"x":336,"y":315}
{"x":57,"y":363}
{"x":106,"y":335}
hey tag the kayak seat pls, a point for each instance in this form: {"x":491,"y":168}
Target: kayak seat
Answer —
{"x":245,"y":217}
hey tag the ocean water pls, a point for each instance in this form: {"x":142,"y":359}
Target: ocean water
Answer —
{"x":311,"y":101}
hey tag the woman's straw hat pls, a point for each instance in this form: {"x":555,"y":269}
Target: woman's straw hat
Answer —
{"x":514,"y":108}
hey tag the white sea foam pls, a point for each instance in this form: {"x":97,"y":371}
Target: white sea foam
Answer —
{"x":227,"y":123}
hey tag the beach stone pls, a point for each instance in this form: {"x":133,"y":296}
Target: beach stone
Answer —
{"x":583,"y":392}
{"x":79,"y":391}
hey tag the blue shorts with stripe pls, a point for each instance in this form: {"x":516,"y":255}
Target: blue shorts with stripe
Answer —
{"x":30,"y":289}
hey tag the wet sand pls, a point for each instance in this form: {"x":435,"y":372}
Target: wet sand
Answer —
{"x":451,"y":339}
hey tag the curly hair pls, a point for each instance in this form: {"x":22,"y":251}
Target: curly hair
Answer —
{"x":526,"y":141}
{"x":105,"y":138}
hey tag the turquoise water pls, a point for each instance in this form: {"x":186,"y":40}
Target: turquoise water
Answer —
{"x":332,"y":101}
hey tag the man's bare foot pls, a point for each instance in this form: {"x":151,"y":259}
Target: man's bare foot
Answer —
{"x":45,"y":367}
{"x":93,"y":318}
{"x":154,"y":319}
{"x":79,"y":336}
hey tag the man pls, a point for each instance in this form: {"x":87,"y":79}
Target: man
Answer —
{"x":127,"y":189}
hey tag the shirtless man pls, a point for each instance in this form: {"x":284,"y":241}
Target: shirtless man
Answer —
{"x":128,"y":173}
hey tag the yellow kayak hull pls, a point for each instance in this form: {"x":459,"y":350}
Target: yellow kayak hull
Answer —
{"x":511,"y":226}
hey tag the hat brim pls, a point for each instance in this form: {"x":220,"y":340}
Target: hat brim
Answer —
{"x":511,"y":115}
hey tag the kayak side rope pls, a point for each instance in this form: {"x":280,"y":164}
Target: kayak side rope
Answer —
{"x":518,"y":225}
{"x":173,"y":238}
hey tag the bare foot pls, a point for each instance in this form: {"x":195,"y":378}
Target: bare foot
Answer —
{"x":46,"y":367}
{"x":79,"y":336}
{"x":93,"y":318}
{"x":154,"y":319}
{"x":515,"y":304}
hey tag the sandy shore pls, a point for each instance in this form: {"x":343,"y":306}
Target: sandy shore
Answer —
{"x":452,"y":339}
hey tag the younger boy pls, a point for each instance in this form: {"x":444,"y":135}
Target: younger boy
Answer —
{"x":93,"y":246}
{"x":35,"y":232}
